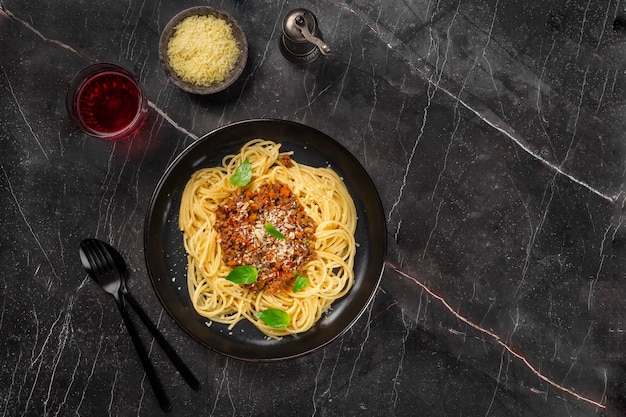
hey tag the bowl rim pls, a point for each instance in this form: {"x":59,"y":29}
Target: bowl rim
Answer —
{"x":240,"y":38}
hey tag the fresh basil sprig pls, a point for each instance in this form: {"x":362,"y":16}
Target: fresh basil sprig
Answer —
{"x":300,"y":283}
{"x":269,"y":228}
{"x":273,"y":317}
{"x":244,"y":274}
{"x":243,"y":174}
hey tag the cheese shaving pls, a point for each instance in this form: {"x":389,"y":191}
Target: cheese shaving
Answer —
{"x":203,"y":50}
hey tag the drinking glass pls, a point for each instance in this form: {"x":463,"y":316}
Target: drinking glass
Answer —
{"x":106,"y":101}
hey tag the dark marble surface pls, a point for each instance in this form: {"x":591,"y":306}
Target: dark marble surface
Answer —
{"x":493,"y":130}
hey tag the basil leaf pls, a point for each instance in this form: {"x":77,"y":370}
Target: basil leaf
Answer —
{"x":244,"y":274}
{"x":301,"y":283}
{"x":273,"y":317}
{"x":243,"y":174}
{"x":269,"y":228}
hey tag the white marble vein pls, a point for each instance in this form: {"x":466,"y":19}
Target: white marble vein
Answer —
{"x":510,"y":349}
{"x":399,"y":369}
{"x":24,"y":118}
{"x":38,"y":33}
{"x":65,"y":334}
{"x":37,"y":361}
{"x":362,"y":345}
{"x":28,"y":224}
{"x":471,"y":103}
{"x":582,"y":28}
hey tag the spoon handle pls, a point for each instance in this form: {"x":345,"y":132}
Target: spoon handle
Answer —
{"x":184,"y":371}
{"x":159,"y":392}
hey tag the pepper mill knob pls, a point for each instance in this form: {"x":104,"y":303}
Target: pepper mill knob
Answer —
{"x":301,"y":41}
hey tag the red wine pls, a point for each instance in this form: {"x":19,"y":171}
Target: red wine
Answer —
{"x":108,"y":102}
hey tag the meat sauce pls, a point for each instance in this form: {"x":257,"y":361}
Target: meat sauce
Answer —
{"x":241,"y":226}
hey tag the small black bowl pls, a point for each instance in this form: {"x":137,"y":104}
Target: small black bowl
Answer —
{"x":240,"y":38}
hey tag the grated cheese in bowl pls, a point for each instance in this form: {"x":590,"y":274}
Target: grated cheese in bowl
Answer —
{"x":203,"y":50}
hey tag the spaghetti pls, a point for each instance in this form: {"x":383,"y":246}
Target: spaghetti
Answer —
{"x":268,"y":225}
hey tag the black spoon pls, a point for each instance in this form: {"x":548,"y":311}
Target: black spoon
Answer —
{"x":108,"y":268}
{"x":119,"y":262}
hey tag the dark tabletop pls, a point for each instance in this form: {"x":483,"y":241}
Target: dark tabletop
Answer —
{"x":493,"y":131}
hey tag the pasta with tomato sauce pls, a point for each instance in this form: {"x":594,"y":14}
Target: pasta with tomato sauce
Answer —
{"x":267,"y":239}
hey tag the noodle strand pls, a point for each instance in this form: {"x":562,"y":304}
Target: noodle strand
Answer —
{"x":324,"y":198}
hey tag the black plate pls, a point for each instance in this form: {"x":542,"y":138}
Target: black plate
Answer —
{"x":166,"y":258}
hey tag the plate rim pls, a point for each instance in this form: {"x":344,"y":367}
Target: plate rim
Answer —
{"x":377,"y":205}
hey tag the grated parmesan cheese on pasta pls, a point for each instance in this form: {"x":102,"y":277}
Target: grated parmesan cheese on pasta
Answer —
{"x":202,"y":50}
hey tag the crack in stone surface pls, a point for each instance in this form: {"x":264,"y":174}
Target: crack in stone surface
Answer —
{"x":497,"y":339}
{"x":60,"y":44}
{"x":469,"y":101}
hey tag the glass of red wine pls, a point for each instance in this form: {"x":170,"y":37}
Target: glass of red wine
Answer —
{"x":106,"y":101}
